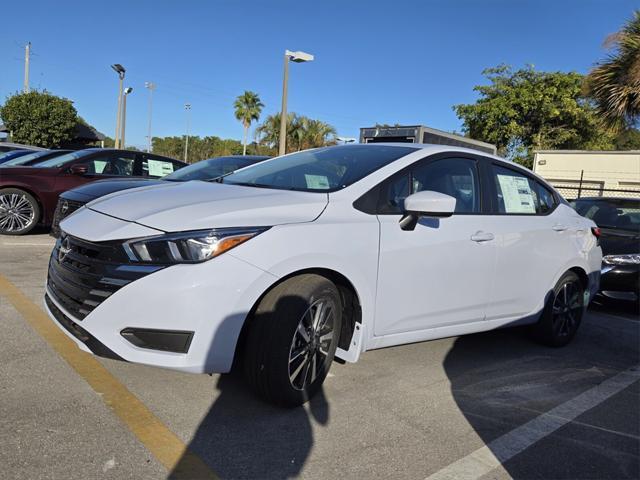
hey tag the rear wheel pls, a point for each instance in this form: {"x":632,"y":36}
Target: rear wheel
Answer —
{"x":19,"y":212}
{"x":292,"y":339}
{"x":563,"y":313}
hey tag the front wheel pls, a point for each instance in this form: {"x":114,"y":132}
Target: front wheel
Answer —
{"x":292,"y":339}
{"x":562,"y":314}
{"x":19,"y":212}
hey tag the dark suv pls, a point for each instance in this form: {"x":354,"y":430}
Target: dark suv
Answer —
{"x":28,"y":195}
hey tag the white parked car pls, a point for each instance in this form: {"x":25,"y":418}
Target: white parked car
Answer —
{"x":284,"y":265}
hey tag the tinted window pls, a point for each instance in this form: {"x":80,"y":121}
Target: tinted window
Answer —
{"x":456,"y":177}
{"x":203,"y":170}
{"x":611,"y":213}
{"x":320,"y":170}
{"x":156,"y":167}
{"x":59,"y":161}
{"x":545,"y":200}
{"x":121,"y":164}
{"x":21,"y":160}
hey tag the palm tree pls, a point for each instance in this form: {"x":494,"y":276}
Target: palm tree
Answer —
{"x":615,"y":83}
{"x":302,"y":132}
{"x":247,"y":109}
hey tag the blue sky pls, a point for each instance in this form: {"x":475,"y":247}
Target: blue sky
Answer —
{"x":376,"y":61}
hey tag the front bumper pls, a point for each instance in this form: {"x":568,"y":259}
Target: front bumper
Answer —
{"x":620,"y":281}
{"x":210,"y":299}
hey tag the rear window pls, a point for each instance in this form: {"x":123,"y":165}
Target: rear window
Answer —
{"x":59,"y":161}
{"x":621,"y":213}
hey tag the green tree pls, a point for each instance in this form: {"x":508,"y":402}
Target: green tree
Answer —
{"x":39,"y":118}
{"x":247,"y":109}
{"x":615,"y":82}
{"x":526,"y":110}
{"x":199,"y":148}
{"x":302,"y":132}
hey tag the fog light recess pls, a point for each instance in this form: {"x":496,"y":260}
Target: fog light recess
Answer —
{"x":165,"y":340}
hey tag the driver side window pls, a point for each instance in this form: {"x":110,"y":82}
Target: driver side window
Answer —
{"x":456,"y":177}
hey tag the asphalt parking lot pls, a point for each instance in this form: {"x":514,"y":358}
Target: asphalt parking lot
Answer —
{"x":491,"y":405}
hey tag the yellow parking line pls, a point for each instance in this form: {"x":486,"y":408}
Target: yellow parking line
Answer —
{"x":152,"y":433}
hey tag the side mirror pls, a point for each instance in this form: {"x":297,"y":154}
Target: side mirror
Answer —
{"x":426,"y":204}
{"x":79,"y":169}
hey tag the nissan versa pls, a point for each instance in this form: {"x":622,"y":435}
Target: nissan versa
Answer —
{"x":282,"y":265}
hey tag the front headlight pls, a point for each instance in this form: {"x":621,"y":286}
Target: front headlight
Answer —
{"x":628,"y":259}
{"x":188,"y":247}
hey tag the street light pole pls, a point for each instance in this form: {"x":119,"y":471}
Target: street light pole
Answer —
{"x":120,"y":70}
{"x":151,"y":86}
{"x":297,"y":57}
{"x":127,"y":91}
{"x":187,"y":107}
{"x":27,"y":59}
{"x":283,"y":111}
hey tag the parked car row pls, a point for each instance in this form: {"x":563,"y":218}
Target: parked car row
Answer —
{"x":31,"y":184}
{"x":210,"y":169}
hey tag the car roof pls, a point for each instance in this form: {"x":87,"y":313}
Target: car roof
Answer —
{"x":608,"y":199}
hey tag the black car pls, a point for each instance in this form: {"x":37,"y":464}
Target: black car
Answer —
{"x":210,"y":169}
{"x":619,"y":223}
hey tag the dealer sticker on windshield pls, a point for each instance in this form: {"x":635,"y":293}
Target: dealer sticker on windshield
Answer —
{"x":317,"y":182}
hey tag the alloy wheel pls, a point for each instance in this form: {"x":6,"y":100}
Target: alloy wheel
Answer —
{"x":16,"y":212}
{"x":311,"y":344}
{"x":567,"y":309}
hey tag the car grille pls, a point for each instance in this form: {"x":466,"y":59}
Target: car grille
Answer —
{"x":64,"y":208}
{"x":83,"y":274}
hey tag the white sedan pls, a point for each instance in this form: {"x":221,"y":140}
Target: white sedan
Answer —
{"x":285,"y":265}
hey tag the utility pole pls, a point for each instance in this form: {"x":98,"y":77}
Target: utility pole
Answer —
{"x":187,"y":107}
{"x":151,"y":87}
{"x":27,"y":58}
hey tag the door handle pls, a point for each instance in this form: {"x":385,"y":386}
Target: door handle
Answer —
{"x":558,"y":227}
{"x":482,"y":237}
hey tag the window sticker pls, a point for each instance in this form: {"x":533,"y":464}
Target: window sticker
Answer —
{"x":98,"y":165}
{"x":317,"y":181}
{"x":158,"y":168}
{"x":516,"y":194}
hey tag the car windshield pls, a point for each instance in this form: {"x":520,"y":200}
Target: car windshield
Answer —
{"x":60,"y":160}
{"x":203,"y":170}
{"x":13,"y":153}
{"x":619,"y":213}
{"x":21,"y":160}
{"x":324,"y":169}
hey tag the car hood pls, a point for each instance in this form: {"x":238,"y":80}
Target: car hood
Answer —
{"x":180,"y":206}
{"x":93,"y":190}
{"x":619,"y":242}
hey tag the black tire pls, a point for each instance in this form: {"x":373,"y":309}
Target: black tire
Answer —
{"x":562,"y":314}
{"x":19,"y":212}
{"x":276,"y":336}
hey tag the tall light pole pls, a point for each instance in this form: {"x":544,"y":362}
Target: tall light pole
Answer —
{"x":127,"y":91}
{"x":298,"y":57}
{"x":187,"y":107}
{"x":120,"y":70}
{"x":151,"y":86}
{"x":27,"y":59}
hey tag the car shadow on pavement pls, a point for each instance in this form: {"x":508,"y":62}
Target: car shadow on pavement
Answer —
{"x":242,"y":436}
{"x":501,"y":379}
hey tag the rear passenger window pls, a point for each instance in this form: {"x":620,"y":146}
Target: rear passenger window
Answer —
{"x":546,"y":201}
{"x":519,"y":194}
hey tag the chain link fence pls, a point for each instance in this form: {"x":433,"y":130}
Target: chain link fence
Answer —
{"x":571,"y":192}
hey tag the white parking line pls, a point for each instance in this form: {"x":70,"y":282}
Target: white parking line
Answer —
{"x":504,"y":448}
